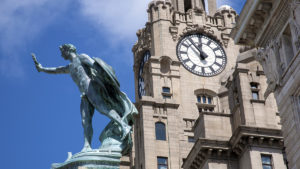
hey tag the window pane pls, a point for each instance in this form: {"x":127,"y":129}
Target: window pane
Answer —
{"x":166,"y":90}
{"x":267,"y":167}
{"x":199,"y":99}
{"x":191,"y":139}
{"x":255,"y":95}
{"x":266,"y":159}
{"x":160,"y":131}
{"x":162,"y":167}
{"x":162,"y":162}
{"x":204,"y":99}
{"x":209,"y":100}
{"x":253,"y":85}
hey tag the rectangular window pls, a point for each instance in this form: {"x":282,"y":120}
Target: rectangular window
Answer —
{"x":162,"y":163}
{"x":191,"y":139}
{"x":209,"y":100}
{"x":254,"y":95}
{"x":166,"y":89}
{"x":253,"y":85}
{"x":204,"y":99}
{"x":166,"y":97}
{"x":266,"y":161}
{"x":199,"y":99}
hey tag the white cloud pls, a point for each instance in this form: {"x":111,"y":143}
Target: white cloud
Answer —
{"x":121,"y":18}
{"x":20,"y":22}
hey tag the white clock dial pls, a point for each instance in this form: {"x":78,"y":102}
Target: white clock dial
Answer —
{"x":141,"y":83}
{"x":201,"y":55}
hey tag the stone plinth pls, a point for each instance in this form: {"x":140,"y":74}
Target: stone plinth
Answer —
{"x":94,"y":159}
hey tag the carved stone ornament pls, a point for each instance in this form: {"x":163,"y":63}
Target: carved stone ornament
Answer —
{"x":225,"y":39}
{"x":174,"y":32}
{"x":295,"y":22}
{"x":144,"y":40}
{"x":197,"y":29}
{"x":270,"y":60}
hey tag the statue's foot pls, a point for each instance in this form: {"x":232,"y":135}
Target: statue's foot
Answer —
{"x":86,"y":148}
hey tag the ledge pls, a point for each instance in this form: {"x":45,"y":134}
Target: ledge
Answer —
{"x":257,"y":101}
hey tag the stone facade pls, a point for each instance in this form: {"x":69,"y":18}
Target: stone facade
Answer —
{"x":231,"y":131}
{"x":275,"y":33}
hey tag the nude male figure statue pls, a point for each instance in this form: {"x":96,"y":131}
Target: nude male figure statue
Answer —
{"x":99,"y":90}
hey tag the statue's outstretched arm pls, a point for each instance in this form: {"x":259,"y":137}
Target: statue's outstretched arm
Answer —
{"x":51,"y":70}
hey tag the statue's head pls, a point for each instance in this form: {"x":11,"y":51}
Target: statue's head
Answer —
{"x":66,"y":50}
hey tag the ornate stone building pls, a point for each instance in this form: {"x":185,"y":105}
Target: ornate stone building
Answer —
{"x":199,"y":95}
{"x":273,"y":26}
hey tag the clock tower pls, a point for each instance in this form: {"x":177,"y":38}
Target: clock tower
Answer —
{"x":182,"y":62}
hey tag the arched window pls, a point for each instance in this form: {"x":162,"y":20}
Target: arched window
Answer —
{"x":160,"y":131}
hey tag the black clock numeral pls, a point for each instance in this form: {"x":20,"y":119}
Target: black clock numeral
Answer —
{"x":183,"y":52}
{"x":202,"y":69}
{"x":193,"y":67}
{"x":216,"y":63}
{"x":208,"y":43}
{"x":215,"y":49}
{"x":183,"y":44}
{"x":186,"y":60}
{"x":211,"y":68}
{"x":220,"y":57}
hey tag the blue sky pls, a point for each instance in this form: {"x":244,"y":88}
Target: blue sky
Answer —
{"x":40,"y":112}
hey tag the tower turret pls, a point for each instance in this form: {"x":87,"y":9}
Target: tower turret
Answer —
{"x":229,"y":15}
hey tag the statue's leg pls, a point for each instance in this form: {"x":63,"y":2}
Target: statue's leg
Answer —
{"x":100,"y":106}
{"x":87,"y":112}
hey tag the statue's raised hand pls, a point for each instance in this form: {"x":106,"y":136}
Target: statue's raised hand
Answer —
{"x":37,"y":64}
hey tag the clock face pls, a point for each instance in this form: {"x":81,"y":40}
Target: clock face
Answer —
{"x":201,"y":55}
{"x":141,"y":84}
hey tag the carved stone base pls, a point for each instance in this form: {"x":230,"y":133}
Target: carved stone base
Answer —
{"x":94,"y":159}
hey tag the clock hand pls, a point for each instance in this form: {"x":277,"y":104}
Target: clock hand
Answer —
{"x":200,"y":51}
{"x":203,"y":53}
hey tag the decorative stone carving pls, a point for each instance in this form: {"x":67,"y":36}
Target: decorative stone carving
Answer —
{"x":174,"y":32}
{"x":144,"y":40}
{"x":197,"y":29}
{"x":295,"y":22}
{"x":225,"y":39}
{"x":271,"y":62}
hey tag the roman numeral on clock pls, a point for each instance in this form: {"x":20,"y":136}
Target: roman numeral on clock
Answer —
{"x":202,"y":70}
{"x":186,"y":60}
{"x":183,"y":44}
{"x":216,"y":63}
{"x":183,"y":52}
{"x":215,"y":49}
{"x":193,"y":67}
{"x":208,"y":43}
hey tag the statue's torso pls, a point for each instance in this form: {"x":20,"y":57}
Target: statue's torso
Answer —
{"x":79,"y":75}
